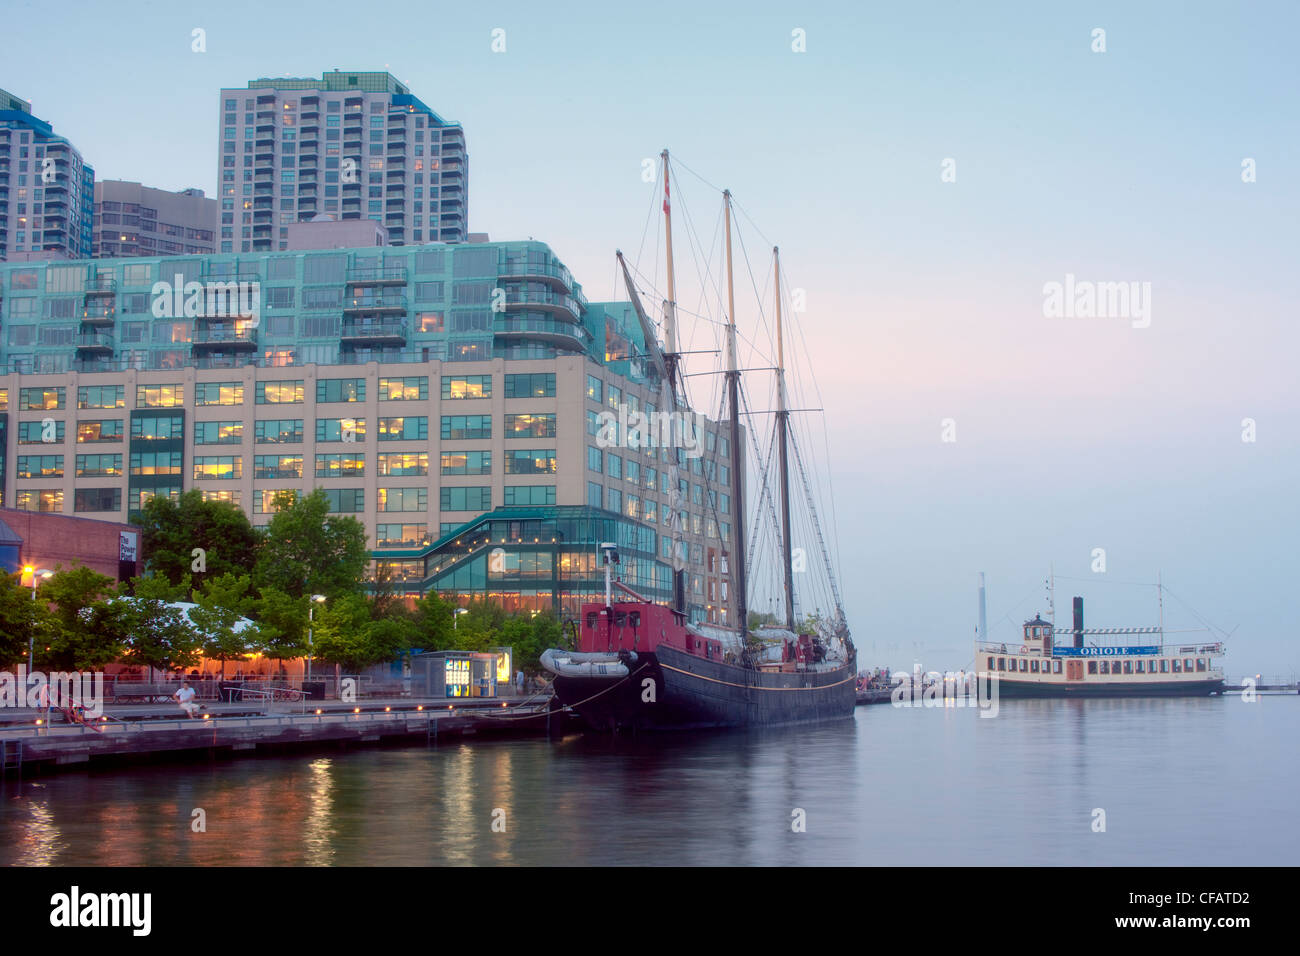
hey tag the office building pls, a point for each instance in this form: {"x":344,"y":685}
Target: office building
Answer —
{"x":451,"y":397}
{"x":47,"y":191}
{"x":136,"y":220}
{"x":347,"y":145}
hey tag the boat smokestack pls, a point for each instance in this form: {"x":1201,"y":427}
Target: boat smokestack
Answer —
{"x":1078,"y":622}
{"x":984,"y":625}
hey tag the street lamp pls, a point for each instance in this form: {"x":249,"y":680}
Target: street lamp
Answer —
{"x":455,"y":617}
{"x":35,"y":572}
{"x":311,"y":613}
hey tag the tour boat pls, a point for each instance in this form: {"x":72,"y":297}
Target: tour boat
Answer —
{"x":1070,"y":662}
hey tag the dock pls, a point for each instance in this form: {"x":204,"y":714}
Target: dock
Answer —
{"x":152,"y":733}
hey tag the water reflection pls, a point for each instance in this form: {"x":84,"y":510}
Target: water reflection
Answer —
{"x":1194,"y":781}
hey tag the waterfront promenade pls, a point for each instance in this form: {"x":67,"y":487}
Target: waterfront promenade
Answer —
{"x":154,"y":731}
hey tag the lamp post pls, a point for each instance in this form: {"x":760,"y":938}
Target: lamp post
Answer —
{"x":455,"y":617}
{"x":311,"y":617}
{"x":31,"y":637}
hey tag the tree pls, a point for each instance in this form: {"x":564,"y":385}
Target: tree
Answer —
{"x":283,"y":623}
{"x":172,"y":530}
{"x":308,"y":551}
{"x":85,"y":631}
{"x":20,"y":618}
{"x":155,"y":633}
{"x":529,"y":637}
{"x":347,"y":635}
{"x":220,"y":605}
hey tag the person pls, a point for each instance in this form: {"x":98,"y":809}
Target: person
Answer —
{"x":185,"y":697}
{"x":519,"y":681}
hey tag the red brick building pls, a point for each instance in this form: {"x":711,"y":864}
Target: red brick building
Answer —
{"x":47,"y":541}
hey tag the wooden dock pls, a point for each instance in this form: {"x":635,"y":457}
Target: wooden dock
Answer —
{"x":25,"y":747}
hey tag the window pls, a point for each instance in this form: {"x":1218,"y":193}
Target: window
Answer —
{"x":1178,"y":666}
{"x":404,"y":499}
{"x":1104,"y":667}
{"x":403,"y":389}
{"x":278,"y":431}
{"x":218,"y":393}
{"x":268,"y":500}
{"x":466,"y":463}
{"x":342,"y":465}
{"x":40,"y":433}
{"x":529,"y":495}
{"x":1092,"y":667}
{"x":157,"y":429}
{"x":39,"y":500}
{"x":613,"y":465}
{"x":595,"y":460}
{"x":346,"y":500}
{"x":279,"y":393}
{"x":535,"y":385}
{"x":41,"y":399}
{"x":156,"y":463}
{"x":340,"y":429}
{"x":1164,"y":665}
{"x":99,"y":466}
{"x":40,"y":466}
{"x":109,"y":429}
{"x":98,"y":499}
{"x":466,"y":499}
{"x":404,"y":464}
{"x":595,"y":388}
{"x":398,"y":535}
{"x":467,"y":386}
{"x":218,"y":433}
{"x":101,"y":396}
{"x":531,"y":462}
{"x":1141,"y":667}
{"x":614,"y":499}
{"x":530,"y":425}
{"x":159,"y":396}
{"x":1033,"y":667}
{"x":595,"y":494}
{"x":218,"y":468}
{"x":456,"y":427}
{"x":341,"y":390}
{"x":277,"y":466}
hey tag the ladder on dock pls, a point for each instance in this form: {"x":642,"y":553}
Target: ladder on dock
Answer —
{"x":11,"y":756}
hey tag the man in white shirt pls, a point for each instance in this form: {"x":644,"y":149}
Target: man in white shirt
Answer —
{"x":185,"y":697}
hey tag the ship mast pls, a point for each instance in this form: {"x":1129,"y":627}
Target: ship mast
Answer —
{"x":737,"y":457}
{"x":670,"y":304}
{"x":782,"y":428}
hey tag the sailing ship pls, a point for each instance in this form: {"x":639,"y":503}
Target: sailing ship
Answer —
{"x":1069,"y":662}
{"x":640,"y":665}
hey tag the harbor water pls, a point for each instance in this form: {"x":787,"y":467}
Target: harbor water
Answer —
{"x":1205,"y":781}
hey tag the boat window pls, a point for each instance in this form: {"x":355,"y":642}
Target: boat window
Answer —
{"x":1164,"y":665}
{"x":1092,"y":667}
{"x":1024,"y":665}
{"x":1188,"y":665}
{"x":991,"y":664}
{"x":620,"y":619}
{"x":1128,"y":667}
{"x":1033,"y":667}
{"x":1178,"y":666}
{"x":634,"y":618}
{"x":1200,"y":663}
{"x":1056,"y":667}
{"x":1105,"y":667}
{"x":591,"y":619}
{"x":1140,"y":666}
{"x":1002,"y":663}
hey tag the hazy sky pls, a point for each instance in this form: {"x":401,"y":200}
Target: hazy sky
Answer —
{"x":925,"y":298}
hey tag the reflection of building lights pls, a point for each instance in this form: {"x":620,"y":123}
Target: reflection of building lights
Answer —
{"x":356,"y":710}
{"x":317,"y":711}
{"x":39,"y":721}
{"x":387,"y":709}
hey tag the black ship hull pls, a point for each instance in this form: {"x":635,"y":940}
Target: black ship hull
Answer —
{"x":1201,"y":688}
{"x":668,"y":690}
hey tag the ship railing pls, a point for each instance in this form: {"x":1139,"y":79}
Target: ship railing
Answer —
{"x":1213,"y":649}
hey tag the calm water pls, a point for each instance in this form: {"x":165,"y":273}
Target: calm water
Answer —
{"x":1181,"y":781}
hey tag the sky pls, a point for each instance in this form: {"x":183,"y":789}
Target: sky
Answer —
{"x":927,"y":169}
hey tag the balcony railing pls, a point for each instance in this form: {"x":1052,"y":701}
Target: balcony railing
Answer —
{"x":384,"y":333}
{"x":101,"y":287}
{"x":375,"y":303}
{"x":95,"y":342}
{"x":224,"y":338}
{"x":384,"y":275}
{"x":555,"y":302}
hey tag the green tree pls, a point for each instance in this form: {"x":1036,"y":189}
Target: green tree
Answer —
{"x":220,"y":604}
{"x":307,"y":550}
{"x":172,"y":530}
{"x":84,"y":629}
{"x":154,"y":633}
{"x":21,"y":618}
{"x":283,"y":623}
{"x":346,"y":634}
